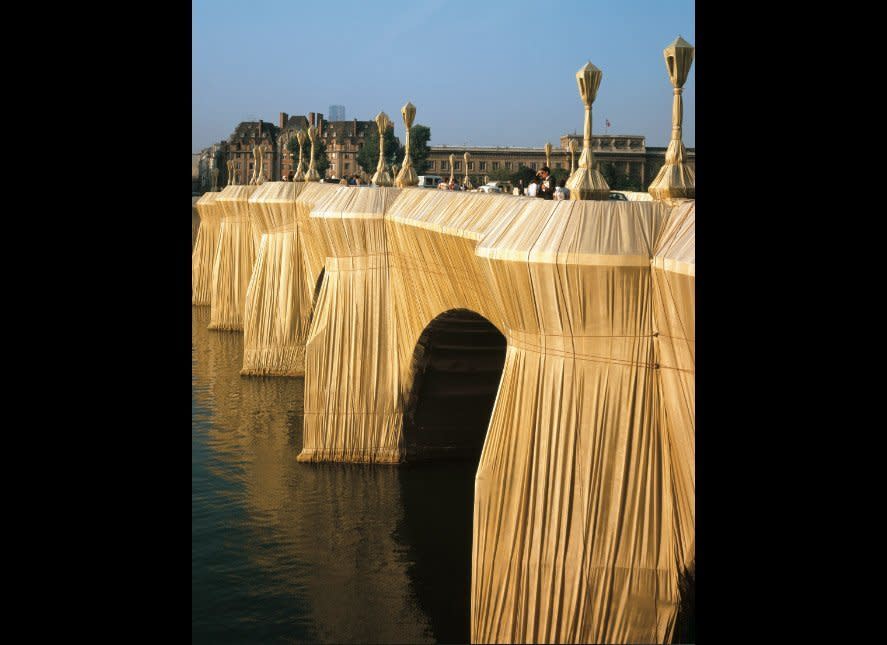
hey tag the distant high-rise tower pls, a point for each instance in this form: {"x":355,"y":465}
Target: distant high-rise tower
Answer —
{"x":337,"y":113}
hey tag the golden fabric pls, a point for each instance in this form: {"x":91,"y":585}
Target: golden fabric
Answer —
{"x":195,"y":221}
{"x":279,"y":298}
{"x":585,"y":490}
{"x":233,"y":263}
{"x":204,"y":251}
{"x":674,"y":307}
{"x":351,"y":408}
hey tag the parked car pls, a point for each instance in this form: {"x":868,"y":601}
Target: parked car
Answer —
{"x":618,"y":197}
{"x":496,"y":187}
{"x":429,"y":181}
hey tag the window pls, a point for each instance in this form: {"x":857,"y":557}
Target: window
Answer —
{"x":430,"y":165}
{"x":533,"y":165}
{"x":558,"y":165}
{"x":483,"y":165}
{"x":495,"y":165}
{"x":444,"y":165}
{"x":457,"y":165}
{"x":346,"y":165}
{"x":507,"y":165}
{"x":470,"y":165}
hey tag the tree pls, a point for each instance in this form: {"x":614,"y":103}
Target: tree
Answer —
{"x":560,"y":173}
{"x":368,"y":156}
{"x":500,"y":174}
{"x":523,"y":173}
{"x":420,"y":135}
{"x":617,"y":180}
{"x":321,"y":162}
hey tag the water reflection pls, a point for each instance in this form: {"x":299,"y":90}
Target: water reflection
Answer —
{"x":289,"y":552}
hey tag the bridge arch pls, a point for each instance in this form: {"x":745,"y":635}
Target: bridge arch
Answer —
{"x":455,"y":373}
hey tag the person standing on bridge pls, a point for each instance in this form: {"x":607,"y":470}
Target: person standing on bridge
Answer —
{"x":546,"y":184}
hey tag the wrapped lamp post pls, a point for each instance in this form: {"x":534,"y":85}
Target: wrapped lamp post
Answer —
{"x":381,"y":176}
{"x":467,"y":180}
{"x":300,"y":169}
{"x":548,"y":154}
{"x":676,"y":178}
{"x":230,"y":165}
{"x":452,"y":169}
{"x":407,"y":176}
{"x":312,"y":174}
{"x":572,"y":156}
{"x":258,"y":160}
{"x":587,"y":182}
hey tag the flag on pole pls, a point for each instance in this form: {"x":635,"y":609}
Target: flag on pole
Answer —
{"x":608,"y":122}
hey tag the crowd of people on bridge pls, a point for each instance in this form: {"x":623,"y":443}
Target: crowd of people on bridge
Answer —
{"x":543,"y":185}
{"x":451,"y":185}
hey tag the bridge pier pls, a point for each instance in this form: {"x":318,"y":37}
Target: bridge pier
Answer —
{"x":279,"y":299}
{"x":233,"y":263}
{"x":583,"y":498}
{"x":204,"y":251}
{"x":353,"y":410}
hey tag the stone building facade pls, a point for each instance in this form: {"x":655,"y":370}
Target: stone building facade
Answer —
{"x":343,"y":140}
{"x":626,"y":155}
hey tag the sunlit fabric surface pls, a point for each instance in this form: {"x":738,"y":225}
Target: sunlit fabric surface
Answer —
{"x":280,"y":295}
{"x":351,"y":409}
{"x":277,"y":298}
{"x":233,"y":263}
{"x":195,"y":220}
{"x":203,"y":253}
{"x":583,"y":519}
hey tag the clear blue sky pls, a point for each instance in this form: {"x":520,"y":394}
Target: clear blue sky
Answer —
{"x":481,"y":72}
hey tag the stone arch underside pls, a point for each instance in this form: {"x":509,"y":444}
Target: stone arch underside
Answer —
{"x":456,"y":370}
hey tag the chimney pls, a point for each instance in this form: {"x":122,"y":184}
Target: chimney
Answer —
{"x":319,"y":124}
{"x":260,"y":128}
{"x":311,"y":118}
{"x":283,"y":119}
{"x":355,"y":127}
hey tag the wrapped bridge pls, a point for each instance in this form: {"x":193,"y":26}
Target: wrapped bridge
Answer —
{"x":585,"y":491}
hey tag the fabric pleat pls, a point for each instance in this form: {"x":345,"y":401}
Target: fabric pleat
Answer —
{"x":195,"y":220}
{"x":203,"y":253}
{"x":234,"y":259}
{"x":278,"y":298}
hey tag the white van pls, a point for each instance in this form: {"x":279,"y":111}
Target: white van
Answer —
{"x":429,"y":181}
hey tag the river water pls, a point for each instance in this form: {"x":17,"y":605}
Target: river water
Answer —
{"x":284,"y":552}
